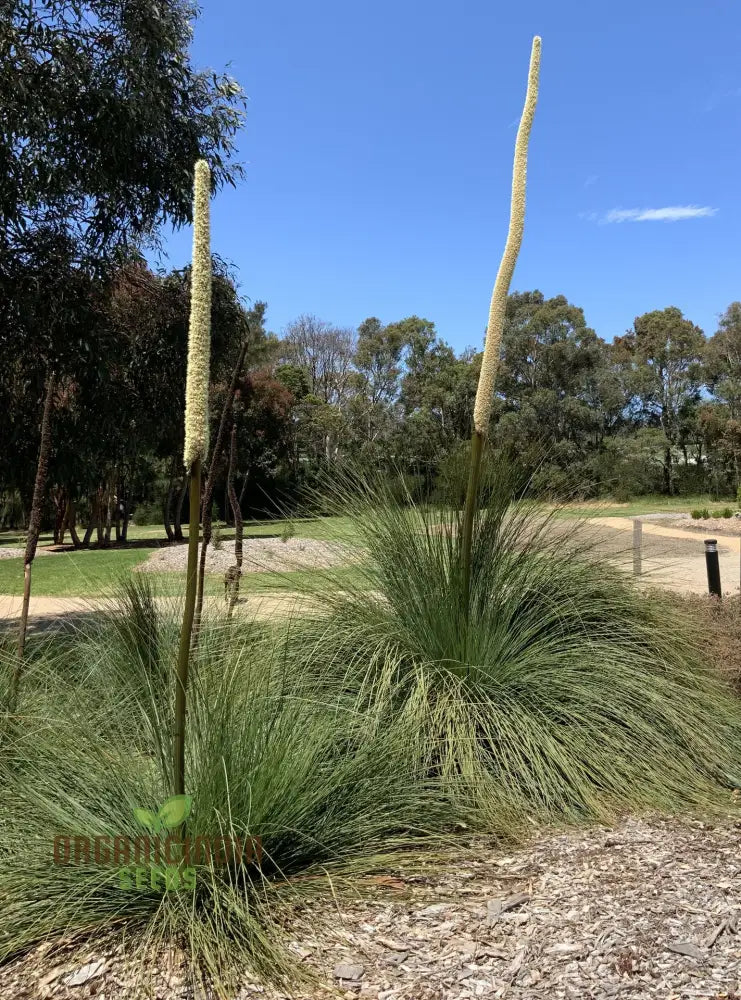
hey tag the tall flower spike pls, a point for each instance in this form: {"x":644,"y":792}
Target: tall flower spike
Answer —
{"x":199,"y":332}
{"x":485,"y":391}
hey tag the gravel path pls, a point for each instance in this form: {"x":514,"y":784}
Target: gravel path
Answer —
{"x":16,"y":551}
{"x":649,"y":909}
{"x":708,"y":526}
{"x":259,"y":555}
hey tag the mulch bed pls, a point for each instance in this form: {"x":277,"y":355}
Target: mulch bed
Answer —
{"x":648,"y":909}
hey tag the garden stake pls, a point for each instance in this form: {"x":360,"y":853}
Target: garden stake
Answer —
{"x":637,"y":539}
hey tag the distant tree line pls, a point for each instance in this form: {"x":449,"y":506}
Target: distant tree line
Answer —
{"x":658,"y":410}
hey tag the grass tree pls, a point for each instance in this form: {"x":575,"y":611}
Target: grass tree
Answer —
{"x":495,"y":325}
{"x":196,"y":439}
{"x":554,"y":692}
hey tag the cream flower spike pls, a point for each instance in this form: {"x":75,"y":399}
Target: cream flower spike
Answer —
{"x":485,"y":391}
{"x":199,"y":331}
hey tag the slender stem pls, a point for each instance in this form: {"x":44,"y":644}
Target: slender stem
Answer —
{"x":469,"y":515}
{"x":185,"y":634}
{"x":34,"y":530}
{"x":208,"y":492}
{"x":21,"y":637}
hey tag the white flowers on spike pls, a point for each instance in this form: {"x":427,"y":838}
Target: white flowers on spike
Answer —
{"x":199,"y":331}
{"x":485,"y":391}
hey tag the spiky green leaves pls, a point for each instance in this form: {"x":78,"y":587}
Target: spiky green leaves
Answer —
{"x":199,"y":333}
{"x":490,"y":363}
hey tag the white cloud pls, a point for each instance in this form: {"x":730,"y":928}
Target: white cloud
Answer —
{"x":673,"y":213}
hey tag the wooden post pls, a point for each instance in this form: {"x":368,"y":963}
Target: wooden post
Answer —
{"x":637,"y":536}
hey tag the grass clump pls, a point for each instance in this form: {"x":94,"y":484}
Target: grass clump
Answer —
{"x":332,"y":794}
{"x":562,"y":695}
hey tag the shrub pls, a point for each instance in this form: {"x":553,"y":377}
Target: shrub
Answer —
{"x":696,"y":514}
{"x":561,"y":695}
{"x":705,"y":513}
{"x":147,"y":513}
{"x":727,"y":512}
{"x":288,"y":531}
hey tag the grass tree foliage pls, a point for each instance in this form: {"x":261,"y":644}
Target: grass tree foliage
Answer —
{"x":550,"y":688}
{"x":332,"y":791}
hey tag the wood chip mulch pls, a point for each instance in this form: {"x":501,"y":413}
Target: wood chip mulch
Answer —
{"x":648,"y":909}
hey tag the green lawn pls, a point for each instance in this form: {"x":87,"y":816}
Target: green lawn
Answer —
{"x":651,"y":504}
{"x":98,"y":572}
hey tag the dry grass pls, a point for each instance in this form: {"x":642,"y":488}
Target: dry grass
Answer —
{"x":718,"y":627}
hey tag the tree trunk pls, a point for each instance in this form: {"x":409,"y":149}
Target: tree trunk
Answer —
{"x":117,"y":510}
{"x":668,"y":471}
{"x":178,"y":515}
{"x":92,"y":522}
{"x":71,"y":522}
{"x":167,"y":509}
{"x":125,"y":525}
{"x":210,"y":483}
{"x":108,"y":514}
{"x":236,"y":511}
{"x":34,"y":529}
{"x":99,"y":512}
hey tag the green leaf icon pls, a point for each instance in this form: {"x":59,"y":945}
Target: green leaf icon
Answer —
{"x":147,"y":819}
{"x":175,"y":811}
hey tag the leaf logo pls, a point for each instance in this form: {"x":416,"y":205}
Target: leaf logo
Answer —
{"x":171,"y":813}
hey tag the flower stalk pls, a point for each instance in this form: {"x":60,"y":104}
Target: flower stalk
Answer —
{"x":490,"y":362}
{"x":196,"y":439}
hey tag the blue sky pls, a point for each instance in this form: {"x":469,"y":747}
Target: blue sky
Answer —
{"x":378,"y":153}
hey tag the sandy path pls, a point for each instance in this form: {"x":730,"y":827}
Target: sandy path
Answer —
{"x":671,"y":557}
{"x":47,"y":610}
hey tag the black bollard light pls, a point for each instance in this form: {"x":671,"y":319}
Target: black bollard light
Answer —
{"x":713,"y":567}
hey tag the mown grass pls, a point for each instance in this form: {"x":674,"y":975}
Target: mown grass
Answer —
{"x":98,"y":572}
{"x":650,"y":504}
